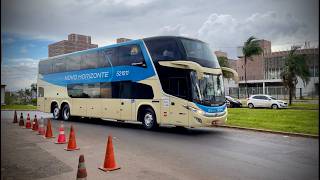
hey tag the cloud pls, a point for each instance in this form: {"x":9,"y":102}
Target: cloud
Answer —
{"x":224,"y":31}
{"x":19,"y":73}
{"x":23,"y":50}
{"x":177,"y":29}
{"x":8,"y":40}
{"x":223,"y":24}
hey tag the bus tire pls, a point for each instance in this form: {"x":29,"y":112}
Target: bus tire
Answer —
{"x":149,"y":119}
{"x":56,"y":112}
{"x":65,"y":113}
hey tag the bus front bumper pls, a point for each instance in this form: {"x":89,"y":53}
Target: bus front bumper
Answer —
{"x":198,"y":120}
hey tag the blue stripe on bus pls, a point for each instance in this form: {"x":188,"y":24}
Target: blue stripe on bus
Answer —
{"x":118,"y":73}
{"x":210,"y":109}
{"x":105,"y":74}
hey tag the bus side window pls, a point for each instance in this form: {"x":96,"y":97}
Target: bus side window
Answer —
{"x":130,"y":55}
{"x":73,"y":62}
{"x":75,"y":90}
{"x":40,"y":92}
{"x":45,"y":67}
{"x":178,"y":86}
{"x":88,"y":61}
{"x":166,"y":49}
{"x":59,"y":65}
{"x":141,"y":91}
{"x":103,"y":59}
{"x":125,"y":90}
{"x":108,"y":56}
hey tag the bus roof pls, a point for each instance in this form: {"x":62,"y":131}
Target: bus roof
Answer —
{"x":174,"y":37}
{"x":119,"y":44}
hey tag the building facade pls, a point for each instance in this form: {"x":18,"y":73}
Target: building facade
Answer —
{"x":120,"y":40}
{"x":75,"y":42}
{"x":263,"y":73}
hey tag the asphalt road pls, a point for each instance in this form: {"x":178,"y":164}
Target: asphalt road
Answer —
{"x":168,"y":153}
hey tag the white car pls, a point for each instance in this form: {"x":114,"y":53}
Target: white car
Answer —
{"x":261,"y":100}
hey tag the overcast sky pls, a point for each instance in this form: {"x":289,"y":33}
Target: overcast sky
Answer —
{"x":28,"y":26}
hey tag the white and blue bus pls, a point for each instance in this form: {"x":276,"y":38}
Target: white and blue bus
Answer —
{"x":163,"y":80}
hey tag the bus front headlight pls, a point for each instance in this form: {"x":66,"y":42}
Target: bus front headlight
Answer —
{"x":198,"y":111}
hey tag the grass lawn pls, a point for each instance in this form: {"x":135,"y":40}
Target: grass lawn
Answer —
{"x":298,"y":121}
{"x":19,"y":107}
{"x":304,"y":106}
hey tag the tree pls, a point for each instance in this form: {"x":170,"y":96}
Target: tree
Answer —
{"x":34,"y":87}
{"x":250,"y":48}
{"x":223,"y":61}
{"x":295,"y":66}
{"x":20,"y":96}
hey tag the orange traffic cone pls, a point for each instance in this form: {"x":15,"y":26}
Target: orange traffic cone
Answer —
{"x":15,"y":118}
{"x":28,"y":122}
{"x":82,"y":172}
{"x":109,"y":161}
{"x":35,"y":125}
{"x":61,"y":138}
{"x":49,"y":130}
{"x":72,"y":144}
{"x":21,"y":121}
{"x":41,"y":130}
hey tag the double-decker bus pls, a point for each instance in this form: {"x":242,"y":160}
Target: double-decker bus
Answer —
{"x":163,"y":80}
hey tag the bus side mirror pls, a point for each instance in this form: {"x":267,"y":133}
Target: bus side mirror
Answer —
{"x":234,"y":73}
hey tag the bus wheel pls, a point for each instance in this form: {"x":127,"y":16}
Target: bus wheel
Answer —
{"x":149,"y":120}
{"x":66,"y":112}
{"x":56,"y":112}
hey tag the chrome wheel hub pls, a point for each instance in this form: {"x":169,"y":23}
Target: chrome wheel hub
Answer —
{"x":66,"y":114}
{"x":148,"y":120}
{"x":56,"y":112}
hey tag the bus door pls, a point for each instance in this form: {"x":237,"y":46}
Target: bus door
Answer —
{"x":179,"y":114}
{"x":126,"y":102}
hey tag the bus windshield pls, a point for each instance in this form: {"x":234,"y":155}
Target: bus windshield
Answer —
{"x":209,"y":90}
{"x":181,"y":49}
{"x":200,"y":52}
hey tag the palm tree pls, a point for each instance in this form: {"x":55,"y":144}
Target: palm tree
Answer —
{"x":295,"y":66}
{"x":250,"y":48}
{"x":223,"y":61}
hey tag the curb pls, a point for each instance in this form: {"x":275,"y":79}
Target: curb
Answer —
{"x":269,"y":131}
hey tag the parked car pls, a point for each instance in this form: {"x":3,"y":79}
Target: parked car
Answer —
{"x":261,"y":100}
{"x":231,"y":102}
